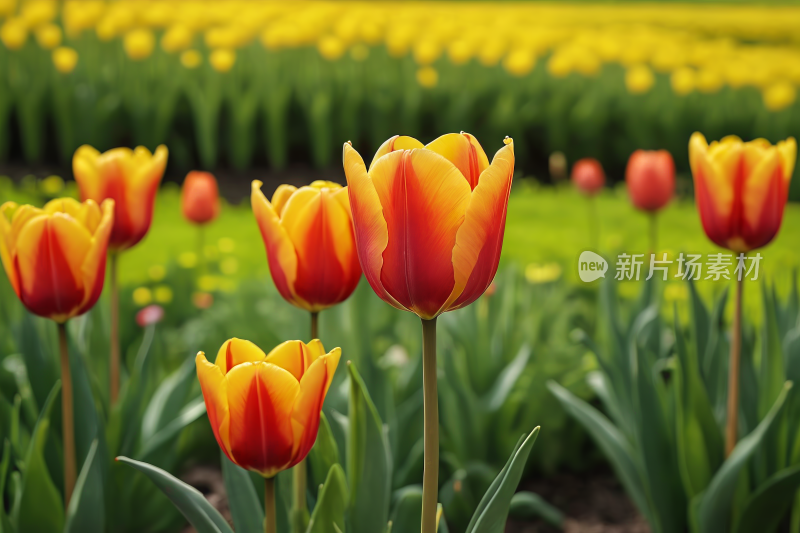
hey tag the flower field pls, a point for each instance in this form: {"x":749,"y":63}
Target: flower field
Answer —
{"x":224,"y":314}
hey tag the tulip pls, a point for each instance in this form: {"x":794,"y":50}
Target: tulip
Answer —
{"x":200,"y":197}
{"x":589,"y":178}
{"x":308,"y":234}
{"x":131,"y":179}
{"x":650,"y":176}
{"x":429,"y":224}
{"x":265,"y":409}
{"x":741,"y":190}
{"x":55,"y":259}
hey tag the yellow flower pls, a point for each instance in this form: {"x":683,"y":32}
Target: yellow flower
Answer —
{"x":426,"y":52}
{"x":639,"y":79}
{"x":52,"y":185}
{"x":191,"y":59}
{"x":65,"y":59}
{"x":7,"y":7}
{"x":428,"y":77}
{"x":519,"y":62}
{"x":682,"y":81}
{"x":536,"y":273}
{"x":176,"y":38}
{"x":560,"y":65}
{"x":38,"y":12}
{"x":139,"y":44}
{"x":142,"y":296}
{"x":709,"y":81}
{"x":14,"y":33}
{"x":162,"y":294}
{"x":222,"y":59}
{"x":48,"y":36}
{"x":779,"y":95}
{"x":330,"y":47}
{"x":460,"y":51}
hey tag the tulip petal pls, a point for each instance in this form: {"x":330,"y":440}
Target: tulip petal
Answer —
{"x":371,"y":231}
{"x":424,"y":198}
{"x":49,"y":254}
{"x":293,"y":356}
{"x":87,"y":174}
{"x":788,"y":152}
{"x":479,"y":240}
{"x":316,"y":349}
{"x":280,"y":250}
{"x":237,"y":351}
{"x":7,"y":245}
{"x":261,"y":398}
{"x":93,"y":269}
{"x":313,"y":389}
{"x":144,"y":177}
{"x":215,"y":393}
{"x":322,"y":234}
{"x":398,"y":142}
{"x":762,"y":167}
{"x":464,"y":151}
{"x":281,"y":196}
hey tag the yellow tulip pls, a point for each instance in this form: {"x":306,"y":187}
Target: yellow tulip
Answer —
{"x":65,"y":59}
{"x":222,"y":60}
{"x":139,"y":44}
{"x":48,"y":36}
{"x":639,"y":79}
{"x":14,"y":33}
{"x":176,"y":39}
{"x":191,"y":59}
{"x":779,"y":95}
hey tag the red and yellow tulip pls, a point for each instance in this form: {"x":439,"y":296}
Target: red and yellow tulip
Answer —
{"x":429,"y":220}
{"x":55,"y":257}
{"x":130,"y":178}
{"x":200,"y":197}
{"x":264,"y":409}
{"x":308,"y":233}
{"x":741,"y":188}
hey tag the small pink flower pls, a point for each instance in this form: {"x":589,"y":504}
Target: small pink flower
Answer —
{"x":152,"y":314}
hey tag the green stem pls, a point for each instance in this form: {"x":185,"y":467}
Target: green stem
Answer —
{"x":594,"y":224}
{"x":314,"y":325}
{"x":430,"y":476}
{"x":67,"y":417}
{"x":270,"y":524}
{"x":731,"y":428}
{"x":653,"y":232}
{"x":113,"y":365}
{"x":201,"y":249}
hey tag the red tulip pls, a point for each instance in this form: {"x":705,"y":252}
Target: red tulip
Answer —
{"x":588,"y":176}
{"x":650,"y":176}
{"x":200,"y":197}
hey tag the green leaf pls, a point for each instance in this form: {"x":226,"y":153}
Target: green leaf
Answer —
{"x":714,"y":512}
{"x":492,"y":512}
{"x":37,"y":491}
{"x":611,"y":441}
{"x":527,"y":505}
{"x":331,"y":503}
{"x":768,"y":505}
{"x":369,"y":463}
{"x":86,"y":510}
{"x":168,"y":400}
{"x":186,"y":498}
{"x":325,"y":452}
{"x":407,"y":513}
{"x":168,"y":433}
{"x":245,"y":505}
{"x":505,"y":382}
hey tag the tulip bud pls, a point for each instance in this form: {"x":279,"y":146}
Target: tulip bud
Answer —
{"x":741,"y":188}
{"x":200,"y":197}
{"x":222,"y":59}
{"x":650,"y":177}
{"x":65,"y":59}
{"x":588,"y":176}
{"x":264,"y":409}
{"x":139,"y":44}
{"x":55,"y":257}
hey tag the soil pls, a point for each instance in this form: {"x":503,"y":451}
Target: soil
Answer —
{"x":593,"y":502}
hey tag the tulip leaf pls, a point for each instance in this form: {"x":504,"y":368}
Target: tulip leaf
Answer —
{"x":37,"y":491}
{"x":610,"y":440}
{"x":168,"y":400}
{"x":325,"y":452}
{"x":86,"y":511}
{"x":407,"y":513}
{"x":714,"y":512}
{"x":167,"y":434}
{"x":369,"y":463}
{"x":331,"y":503}
{"x":189,"y":501}
{"x":765,"y":508}
{"x":527,"y":505}
{"x":246,"y":508}
{"x":492,"y":511}
{"x":506,"y":380}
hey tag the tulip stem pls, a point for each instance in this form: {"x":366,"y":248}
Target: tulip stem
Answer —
{"x":113,"y":365}
{"x":594,"y":224}
{"x":67,"y":417}
{"x":314,"y":325}
{"x":731,"y":429}
{"x":653,"y":233}
{"x":430,"y":476}
{"x":270,"y":523}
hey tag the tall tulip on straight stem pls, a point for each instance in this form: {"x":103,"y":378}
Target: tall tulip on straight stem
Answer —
{"x":650,"y":177}
{"x":741,"y":190}
{"x":55,"y":259}
{"x":200,"y":205}
{"x":308,"y":234}
{"x":131,"y":179}
{"x":429,"y":223}
{"x":265,"y":409}
{"x":589,"y":178}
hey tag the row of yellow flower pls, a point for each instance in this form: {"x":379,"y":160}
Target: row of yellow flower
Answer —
{"x":701,"y":48}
